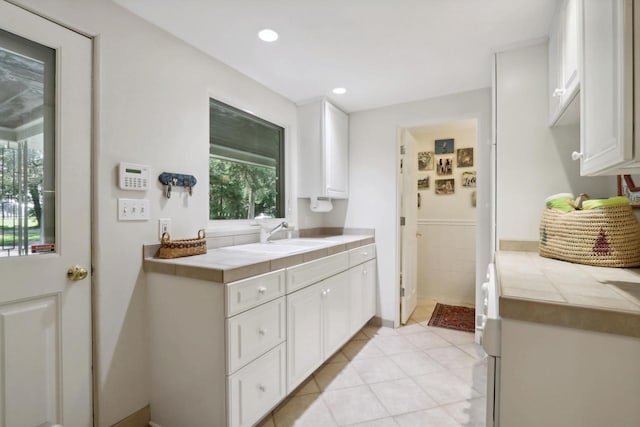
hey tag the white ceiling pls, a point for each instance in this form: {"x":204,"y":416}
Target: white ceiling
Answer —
{"x":383,"y":51}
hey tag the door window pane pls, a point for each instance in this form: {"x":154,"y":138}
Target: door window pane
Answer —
{"x":27,"y":156}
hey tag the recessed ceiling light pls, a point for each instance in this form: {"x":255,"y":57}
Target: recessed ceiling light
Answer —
{"x":339,"y":91}
{"x":268,"y":35}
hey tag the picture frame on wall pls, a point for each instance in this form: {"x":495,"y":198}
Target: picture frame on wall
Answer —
{"x":469,"y":179}
{"x":465,"y":157}
{"x":444,"y":146}
{"x":423,"y":183}
{"x":445,"y":186}
{"x":444,"y":166}
{"x":425,"y":160}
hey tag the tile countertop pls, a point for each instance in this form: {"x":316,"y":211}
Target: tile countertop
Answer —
{"x":543,"y":290}
{"x":228,"y":264}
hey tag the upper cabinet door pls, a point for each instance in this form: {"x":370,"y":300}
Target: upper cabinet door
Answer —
{"x":570,"y":48}
{"x":336,"y":151}
{"x":564,"y":79}
{"x":323,"y":160}
{"x":606,"y":123}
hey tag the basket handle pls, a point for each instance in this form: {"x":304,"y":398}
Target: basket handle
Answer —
{"x":165,"y":237}
{"x":201,"y":233}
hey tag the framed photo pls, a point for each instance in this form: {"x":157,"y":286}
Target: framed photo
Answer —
{"x":444,"y":146}
{"x":425,"y":161}
{"x":469,"y":179}
{"x":445,"y":186}
{"x":423,"y":183}
{"x":465,"y":157}
{"x":627,"y":188}
{"x":444,"y":166}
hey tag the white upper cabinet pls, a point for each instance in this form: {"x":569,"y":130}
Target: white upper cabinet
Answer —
{"x":323,"y":154}
{"x":564,"y":81}
{"x":606,"y":99}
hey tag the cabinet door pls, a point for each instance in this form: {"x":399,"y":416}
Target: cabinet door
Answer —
{"x":304,"y":334}
{"x":356,"y":294}
{"x":335,"y":293}
{"x":555,"y":71}
{"x":370,"y":278}
{"x":606,"y":98}
{"x":569,"y":50}
{"x":362,"y":287}
{"x":336,"y":128}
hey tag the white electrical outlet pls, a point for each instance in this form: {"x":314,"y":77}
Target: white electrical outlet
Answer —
{"x":133,"y":210}
{"x":164,"y":226}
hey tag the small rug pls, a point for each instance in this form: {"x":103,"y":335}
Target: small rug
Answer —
{"x":453,"y":317}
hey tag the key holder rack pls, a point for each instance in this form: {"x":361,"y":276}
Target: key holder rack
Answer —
{"x":171,"y":180}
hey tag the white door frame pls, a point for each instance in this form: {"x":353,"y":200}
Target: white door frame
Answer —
{"x":399,"y":183}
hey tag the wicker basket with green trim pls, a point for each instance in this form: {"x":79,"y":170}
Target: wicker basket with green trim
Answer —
{"x":604,"y":237}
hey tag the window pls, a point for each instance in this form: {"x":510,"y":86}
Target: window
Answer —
{"x":27,"y":147}
{"x":246,"y":164}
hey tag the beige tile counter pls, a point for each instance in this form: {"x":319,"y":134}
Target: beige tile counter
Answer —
{"x":228,"y":264}
{"x":543,"y":290}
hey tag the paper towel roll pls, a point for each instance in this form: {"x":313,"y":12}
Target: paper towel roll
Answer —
{"x":320,"y":205}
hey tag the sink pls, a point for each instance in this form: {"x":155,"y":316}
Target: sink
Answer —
{"x":307,"y":243}
{"x":268,"y":248}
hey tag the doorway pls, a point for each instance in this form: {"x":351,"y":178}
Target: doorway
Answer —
{"x":438,"y":202}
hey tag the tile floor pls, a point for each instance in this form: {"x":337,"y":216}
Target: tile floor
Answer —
{"x":412,"y":376}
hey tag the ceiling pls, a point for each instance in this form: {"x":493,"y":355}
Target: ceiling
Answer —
{"x":21,"y":89}
{"x":383,"y":51}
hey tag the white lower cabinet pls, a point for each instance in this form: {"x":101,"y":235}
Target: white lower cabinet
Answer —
{"x":226,"y":355}
{"x":317,"y":325}
{"x":362,"y":291}
{"x":256,"y":388}
{"x":304,"y":334}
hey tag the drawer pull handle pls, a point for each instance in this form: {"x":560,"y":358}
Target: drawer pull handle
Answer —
{"x":365,"y":253}
{"x":329,"y":290}
{"x":262,"y":331}
{"x":262,"y":290}
{"x":262,"y":388}
{"x":364,"y":272}
{"x":324,"y":293}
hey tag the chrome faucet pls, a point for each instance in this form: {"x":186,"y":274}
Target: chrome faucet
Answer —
{"x":265,"y":235}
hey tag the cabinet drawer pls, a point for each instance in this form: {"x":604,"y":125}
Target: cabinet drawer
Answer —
{"x":311,"y":272}
{"x":256,"y":388}
{"x":253,"y":332}
{"x":362,"y":254}
{"x":247,"y":293}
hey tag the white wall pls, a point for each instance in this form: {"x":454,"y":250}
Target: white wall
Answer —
{"x":533,"y":160}
{"x":152,"y":108}
{"x":447,"y":223}
{"x":373,"y":178}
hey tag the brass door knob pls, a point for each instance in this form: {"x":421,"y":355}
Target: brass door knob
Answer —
{"x":77,"y":273}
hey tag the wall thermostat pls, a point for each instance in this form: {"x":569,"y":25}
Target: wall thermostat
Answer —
{"x":134,"y":177}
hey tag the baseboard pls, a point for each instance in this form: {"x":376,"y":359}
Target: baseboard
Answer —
{"x":140,"y":418}
{"x":379,"y":321}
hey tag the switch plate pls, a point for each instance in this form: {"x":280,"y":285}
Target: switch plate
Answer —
{"x":133,"y":210}
{"x":164,"y":226}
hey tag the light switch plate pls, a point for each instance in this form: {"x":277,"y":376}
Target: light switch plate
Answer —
{"x":133,"y":210}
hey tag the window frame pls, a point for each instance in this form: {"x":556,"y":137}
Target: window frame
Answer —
{"x":229,"y":227}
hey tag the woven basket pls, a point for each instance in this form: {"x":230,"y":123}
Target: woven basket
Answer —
{"x":185,"y":247}
{"x":604,"y":237}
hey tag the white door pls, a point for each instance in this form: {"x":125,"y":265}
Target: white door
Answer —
{"x":45,"y":175}
{"x":409,"y":231}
